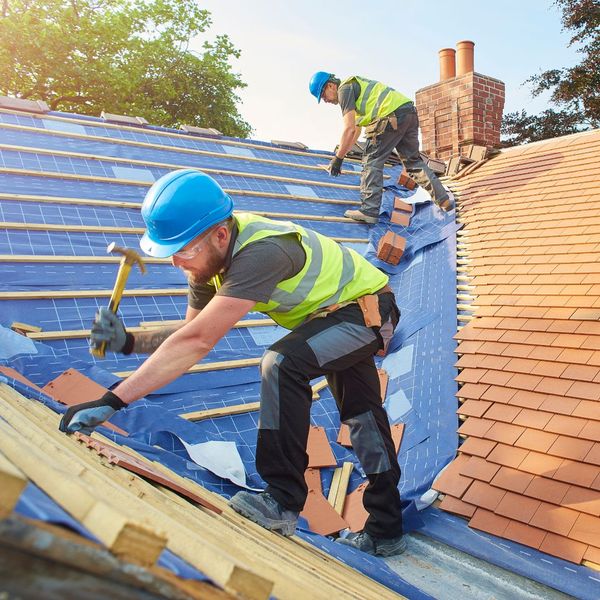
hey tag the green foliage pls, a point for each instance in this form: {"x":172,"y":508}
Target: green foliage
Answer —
{"x":122,"y":56}
{"x":575,"y":90}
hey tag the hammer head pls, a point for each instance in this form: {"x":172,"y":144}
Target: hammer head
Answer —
{"x":130,"y":257}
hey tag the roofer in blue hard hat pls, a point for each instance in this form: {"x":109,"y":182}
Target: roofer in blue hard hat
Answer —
{"x":390,"y":121}
{"x":338,"y":307}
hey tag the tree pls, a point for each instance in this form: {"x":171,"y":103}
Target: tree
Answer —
{"x":122,"y":56}
{"x":575,"y":91}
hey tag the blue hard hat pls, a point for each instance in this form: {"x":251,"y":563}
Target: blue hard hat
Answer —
{"x":179,"y":207}
{"x":317,"y":82}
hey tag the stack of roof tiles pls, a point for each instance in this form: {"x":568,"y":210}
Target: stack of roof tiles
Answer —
{"x":529,"y":465}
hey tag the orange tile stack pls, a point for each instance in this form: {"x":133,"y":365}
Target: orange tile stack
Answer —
{"x":529,"y":467}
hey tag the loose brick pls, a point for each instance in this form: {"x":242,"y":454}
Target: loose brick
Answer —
{"x":391,"y":248}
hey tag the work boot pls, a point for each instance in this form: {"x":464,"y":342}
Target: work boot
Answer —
{"x":448,"y":204}
{"x":375,"y":546}
{"x":357,"y":215}
{"x":266,"y":511}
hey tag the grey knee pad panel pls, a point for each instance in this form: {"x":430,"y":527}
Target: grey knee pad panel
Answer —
{"x":269,"y":390}
{"x":368,"y":444}
{"x":339,"y":340}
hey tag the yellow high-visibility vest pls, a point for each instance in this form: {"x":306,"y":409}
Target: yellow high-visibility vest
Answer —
{"x":332,"y":273}
{"x":376,"y":100}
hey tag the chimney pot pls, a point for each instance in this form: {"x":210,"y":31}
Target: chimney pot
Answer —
{"x":447,"y":63}
{"x":464,"y":55}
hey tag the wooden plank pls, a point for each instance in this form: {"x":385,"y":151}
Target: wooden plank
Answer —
{"x":12,"y":483}
{"x":342,"y":487}
{"x":124,"y":537}
{"x":137,"y":205}
{"x":213,"y":366}
{"x":110,"y":159}
{"x":158,"y":133}
{"x":57,"y":294}
{"x":174,"y":149}
{"x":206,"y":540}
{"x":93,"y":477}
{"x":71,"y":334}
{"x":225,"y":411}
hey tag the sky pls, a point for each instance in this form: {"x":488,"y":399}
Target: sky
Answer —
{"x":283,"y":43}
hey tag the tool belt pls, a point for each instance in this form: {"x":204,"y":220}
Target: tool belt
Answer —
{"x":377,"y":127}
{"x":369,"y":306}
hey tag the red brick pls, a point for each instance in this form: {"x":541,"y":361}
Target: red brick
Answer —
{"x":391,"y":248}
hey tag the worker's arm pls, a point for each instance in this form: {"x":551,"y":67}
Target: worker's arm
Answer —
{"x":109,"y":329}
{"x":176,"y":354}
{"x":349,"y":136}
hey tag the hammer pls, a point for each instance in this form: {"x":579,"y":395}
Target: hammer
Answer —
{"x":129,"y":257}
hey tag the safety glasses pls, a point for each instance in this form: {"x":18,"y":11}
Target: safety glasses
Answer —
{"x":194,"y":250}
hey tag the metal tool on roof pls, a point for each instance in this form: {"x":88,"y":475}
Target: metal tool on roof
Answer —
{"x":129,"y":258}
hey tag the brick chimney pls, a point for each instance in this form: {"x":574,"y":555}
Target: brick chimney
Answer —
{"x":463,"y":108}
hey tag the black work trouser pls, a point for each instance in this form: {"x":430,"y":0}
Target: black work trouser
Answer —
{"x":341,"y":347}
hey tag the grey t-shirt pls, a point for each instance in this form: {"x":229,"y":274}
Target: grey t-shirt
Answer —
{"x":347,"y":95}
{"x":254,"y":271}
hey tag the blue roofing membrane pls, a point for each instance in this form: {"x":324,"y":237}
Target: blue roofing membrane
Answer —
{"x":84,"y":160}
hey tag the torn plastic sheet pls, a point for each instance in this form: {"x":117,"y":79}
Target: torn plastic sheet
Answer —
{"x":220,"y":458}
{"x":13,"y":343}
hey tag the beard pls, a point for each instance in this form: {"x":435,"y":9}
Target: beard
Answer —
{"x":213,"y":266}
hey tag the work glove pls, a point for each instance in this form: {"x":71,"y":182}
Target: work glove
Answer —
{"x":335,"y":166}
{"x":108,"y":328}
{"x":85,"y":417}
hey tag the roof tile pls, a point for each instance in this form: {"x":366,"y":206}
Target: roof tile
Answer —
{"x":546,"y":489}
{"x":475,"y":426}
{"x":487,"y":521}
{"x":524,"y":534}
{"x":498,"y":394}
{"x":591,"y":431}
{"x":517,"y":507}
{"x":504,"y":433}
{"x":585,"y":390}
{"x":512,"y":479}
{"x":582,"y":499}
{"x":539,"y":441}
{"x":456,"y":506}
{"x":472,"y":390}
{"x":587,"y":530}
{"x":541,"y":464}
{"x":527,"y":399}
{"x":562,"y":547}
{"x":507,"y":455}
{"x":593,"y":456}
{"x":483,"y":495}
{"x":566,"y":425}
{"x":473,"y":408}
{"x":577,"y":474}
{"x":479,"y":468}
{"x":502,"y":412}
{"x":572,"y":448}
{"x":554,"y":518}
{"x":476,"y":446}
{"x":532,"y":418}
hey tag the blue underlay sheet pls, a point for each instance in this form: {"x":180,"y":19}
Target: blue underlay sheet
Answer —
{"x":421,"y":389}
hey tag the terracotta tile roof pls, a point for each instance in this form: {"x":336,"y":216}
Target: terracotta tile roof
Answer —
{"x":528,"y":468}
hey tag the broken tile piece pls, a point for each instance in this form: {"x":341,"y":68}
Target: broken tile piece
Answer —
{"x":318,"y":448}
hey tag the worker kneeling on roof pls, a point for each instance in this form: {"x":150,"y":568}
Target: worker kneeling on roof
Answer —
{"x":338,"y":307}
{"x":390,"y":121}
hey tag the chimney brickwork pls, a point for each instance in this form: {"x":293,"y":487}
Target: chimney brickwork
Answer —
{"x":459,"y":111}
